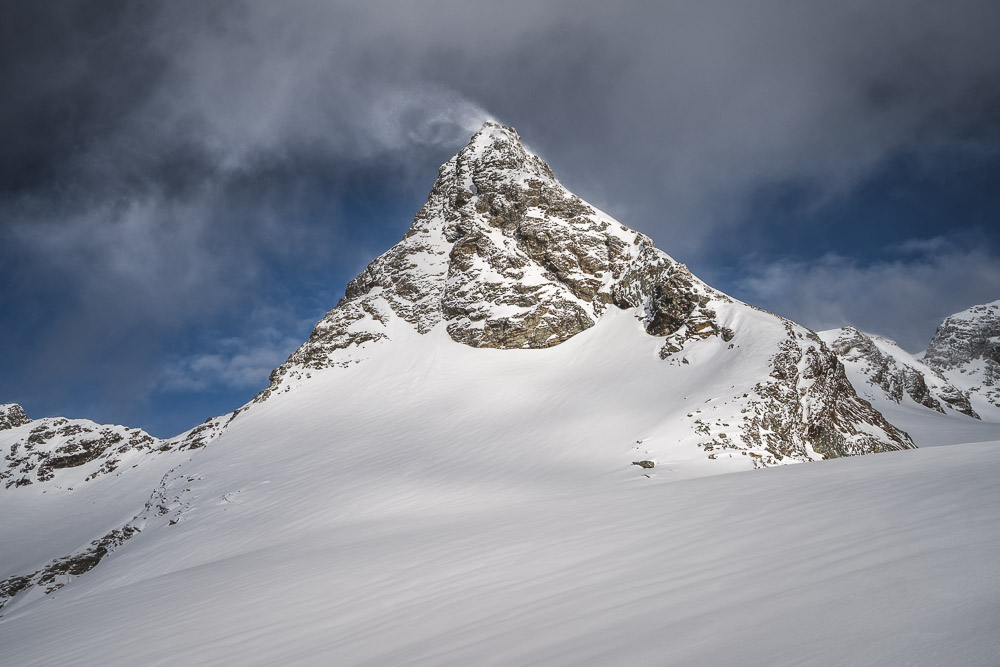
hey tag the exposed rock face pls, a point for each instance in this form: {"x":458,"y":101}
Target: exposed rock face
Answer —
{"x":11,"y":415}
{"x":48,"y":445}
{"x":79,"y":450}
{"x":809,"y":404}
{"x":888,"y":367}
{"x":966,"y":350}
{"x":506,"y":257}
{"x":502,"y":255}
{"x":60,"y":571}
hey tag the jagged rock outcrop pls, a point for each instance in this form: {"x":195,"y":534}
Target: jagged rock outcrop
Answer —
{"x":42,"y":448}
{"x":889,"y":368}
{"x":12,"y":415}
{"x":966,"y":350}
{"x":809,"y":404}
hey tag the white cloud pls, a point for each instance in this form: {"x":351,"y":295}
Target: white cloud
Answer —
{"x":904,"y":299}
{"x":233,"y":363}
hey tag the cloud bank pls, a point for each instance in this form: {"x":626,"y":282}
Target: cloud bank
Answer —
{"x":922,"y":279}
{"x":170,"y":166}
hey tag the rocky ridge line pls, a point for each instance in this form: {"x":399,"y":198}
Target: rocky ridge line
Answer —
{"x":74,"y":451}
{"x":888,"y":367}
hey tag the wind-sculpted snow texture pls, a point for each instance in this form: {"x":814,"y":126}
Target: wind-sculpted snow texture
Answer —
{"x":966,"y":350}
{"x":895,"y":372}
{"x":504,"y":256}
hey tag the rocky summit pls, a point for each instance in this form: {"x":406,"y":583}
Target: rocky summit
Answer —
{"x":11,"y":415}
{"x":507,"y":257}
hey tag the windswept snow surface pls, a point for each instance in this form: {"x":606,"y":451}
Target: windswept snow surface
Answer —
{"x":439,"y":504}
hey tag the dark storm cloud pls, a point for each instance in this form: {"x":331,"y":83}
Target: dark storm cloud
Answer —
{"x":165,"y":162}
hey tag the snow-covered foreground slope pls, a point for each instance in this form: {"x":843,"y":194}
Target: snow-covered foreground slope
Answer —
{"x":480,"y":507}
{"x":887,"y":559}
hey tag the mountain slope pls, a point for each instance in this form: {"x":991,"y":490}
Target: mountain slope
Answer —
{"x":72,"y":490}
{"x":882,"y":559}
{"x":909,"y":393}
{"x":946,"y":394}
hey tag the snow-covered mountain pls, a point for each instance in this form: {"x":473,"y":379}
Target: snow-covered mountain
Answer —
{"x":889,"y":372}
{"x":502,"y":255}
{"x":957,"y":377}
{"x":74,"y":451}
{"x":913,"y":396}
{"x":503,"y":446}
{"x":966,"y":350}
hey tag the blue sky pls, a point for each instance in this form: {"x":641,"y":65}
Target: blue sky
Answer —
{"x":187,"y":188}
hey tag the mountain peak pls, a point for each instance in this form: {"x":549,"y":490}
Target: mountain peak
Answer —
{"x":495,"y":130}
{"x":968,"y":335}
{"x":496,"y":155}
{"x":507,"y":257}
{"x":503,"y":256}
